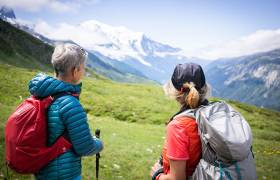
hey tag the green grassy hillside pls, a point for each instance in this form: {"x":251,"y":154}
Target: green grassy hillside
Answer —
{"x":20,"y":49}
{"x":131,"y":119}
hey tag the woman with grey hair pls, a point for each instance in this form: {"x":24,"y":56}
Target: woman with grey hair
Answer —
{"x":182,"y":148}
{"x":66,"y":116}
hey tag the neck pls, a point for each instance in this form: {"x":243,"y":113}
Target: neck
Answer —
{"x":65,"y":79}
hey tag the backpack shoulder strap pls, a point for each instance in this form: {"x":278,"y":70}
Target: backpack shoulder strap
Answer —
{"x":188,"y":113}
{"x":60,"y":94}
{"x":191,"y":112}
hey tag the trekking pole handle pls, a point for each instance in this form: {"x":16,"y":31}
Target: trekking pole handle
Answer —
{"x":97,"y":133}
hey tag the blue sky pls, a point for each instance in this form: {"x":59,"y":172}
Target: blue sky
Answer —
{"x":191,"y":25}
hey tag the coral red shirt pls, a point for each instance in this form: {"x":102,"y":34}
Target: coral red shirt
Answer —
{"x":182,"y":143}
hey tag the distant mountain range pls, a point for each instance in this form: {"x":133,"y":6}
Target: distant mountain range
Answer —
{"x":253,"y":79}
{"x":128,"y":56}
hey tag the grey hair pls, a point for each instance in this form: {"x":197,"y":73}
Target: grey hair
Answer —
{"x":171,"y":92}
{"x":67,"y":57}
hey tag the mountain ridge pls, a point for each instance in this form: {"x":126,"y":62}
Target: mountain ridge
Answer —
{"x":253,"y":79}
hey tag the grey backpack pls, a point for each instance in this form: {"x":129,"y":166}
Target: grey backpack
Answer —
{"x":226,"y":141}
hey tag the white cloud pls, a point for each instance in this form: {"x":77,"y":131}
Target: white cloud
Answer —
{"x":43,"y":28}
{"x":88,"y":1}
{"x":55,"y":5}
{"x":63,"y":7}
{"x":25,"y":4}
{"x":82,"y":35}
{"x":260,"y":41}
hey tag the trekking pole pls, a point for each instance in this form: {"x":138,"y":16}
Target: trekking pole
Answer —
{"x":97,"y":134}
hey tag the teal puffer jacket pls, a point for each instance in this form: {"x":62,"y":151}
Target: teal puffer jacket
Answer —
{"x":65,"y":114}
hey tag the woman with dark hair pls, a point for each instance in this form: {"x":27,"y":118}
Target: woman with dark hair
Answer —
{"x":204,"y":141}
{"x":182,"y":147}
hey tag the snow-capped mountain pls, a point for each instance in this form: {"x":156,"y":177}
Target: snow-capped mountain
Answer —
{"x":154,"y":59}
{"x":253,"y":79}
{"x":119,"y":43}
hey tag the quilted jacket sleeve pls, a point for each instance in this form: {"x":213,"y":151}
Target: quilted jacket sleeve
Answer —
{"x":75,"y":119}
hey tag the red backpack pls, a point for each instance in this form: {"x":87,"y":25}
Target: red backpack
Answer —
{"x":26,"y":137}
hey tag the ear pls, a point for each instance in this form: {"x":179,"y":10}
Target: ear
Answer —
{"x":75,"y":72}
